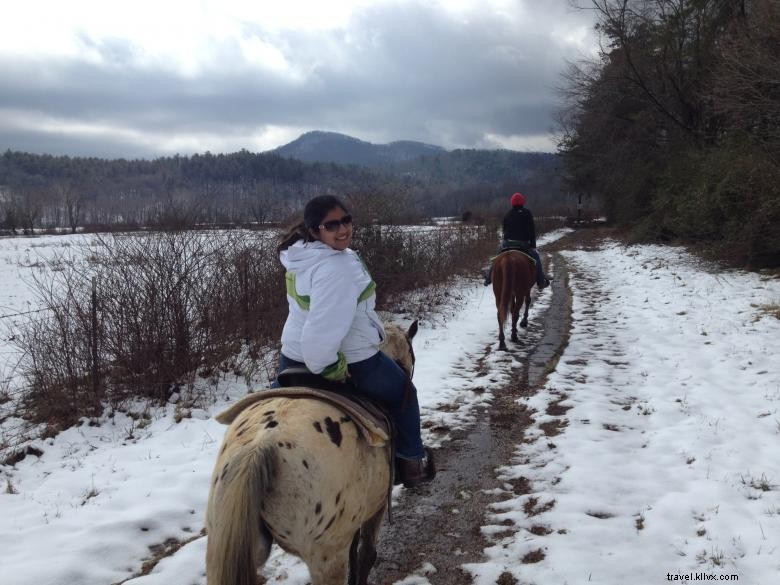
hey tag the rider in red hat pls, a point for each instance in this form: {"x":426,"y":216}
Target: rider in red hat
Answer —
{"x":520,"y":234}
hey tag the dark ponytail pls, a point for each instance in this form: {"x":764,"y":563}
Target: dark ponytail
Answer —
{"x":313,"y":214}
{"x":294,"y":232}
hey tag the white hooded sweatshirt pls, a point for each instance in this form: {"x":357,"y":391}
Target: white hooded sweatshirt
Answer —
{"x":331,"y":298}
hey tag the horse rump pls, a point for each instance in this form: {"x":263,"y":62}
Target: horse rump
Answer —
{"x":238,"y":541}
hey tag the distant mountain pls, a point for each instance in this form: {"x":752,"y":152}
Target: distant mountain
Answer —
{"x":331,"y":147}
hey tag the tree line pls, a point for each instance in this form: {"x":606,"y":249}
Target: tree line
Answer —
{"x":675,"y":126}
{"x":39,"y":191}
{"x":45,"y":191}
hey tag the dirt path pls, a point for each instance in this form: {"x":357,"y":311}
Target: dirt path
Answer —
{"x":437,"y":528}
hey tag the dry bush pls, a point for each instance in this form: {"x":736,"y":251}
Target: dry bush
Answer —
{"x":401,"y":259}
{"x":144,"y":315}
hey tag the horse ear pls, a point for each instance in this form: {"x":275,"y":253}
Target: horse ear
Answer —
{"x":412,"y":330}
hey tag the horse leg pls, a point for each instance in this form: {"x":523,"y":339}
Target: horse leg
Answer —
{"x":365,"y":556}
{"x":329,"y":569}
{"x":515,"y":315}
{"x":524,"y":322}
{"x":353,"y":559}
{"x":501,"y":342}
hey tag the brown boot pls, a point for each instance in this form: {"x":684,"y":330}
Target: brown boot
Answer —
{"x":413,"y":472}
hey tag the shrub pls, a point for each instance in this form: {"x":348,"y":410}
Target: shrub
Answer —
{"x":143,"y":314}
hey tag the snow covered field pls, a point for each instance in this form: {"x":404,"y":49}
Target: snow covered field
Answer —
{"x":659,"y":456}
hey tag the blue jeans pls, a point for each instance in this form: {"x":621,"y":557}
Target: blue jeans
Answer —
{"x":381,"y":379}
{"x":539,"y":270}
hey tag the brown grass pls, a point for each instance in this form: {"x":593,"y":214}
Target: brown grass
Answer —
{"x":534,"y":556}
{"x":553,"y":428}
{"x":159,"y":552}
{"x":532,"y":508}
{"x":769,"y":310}
{"x":506,"y":578}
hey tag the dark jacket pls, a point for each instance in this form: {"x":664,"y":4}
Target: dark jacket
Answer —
{"x":519,"y":225}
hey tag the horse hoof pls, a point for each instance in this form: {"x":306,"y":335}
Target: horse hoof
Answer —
{"x":514,"y":338}
{"x":524,"y":324}
{"x":502,"y":347}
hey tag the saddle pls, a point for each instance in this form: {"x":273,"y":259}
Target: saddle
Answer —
{"x":372,"y":423}
{"x":523,"y":251}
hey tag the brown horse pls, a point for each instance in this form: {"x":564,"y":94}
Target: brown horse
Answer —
{"x":514,"y":273}
{"x":297,"y":472}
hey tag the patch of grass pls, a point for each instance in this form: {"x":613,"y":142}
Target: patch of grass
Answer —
{"x":716,"y":557}
{"x":17,"y":456}
{"x":520,"y":485}
{"x":159,"y":552}
{"x":553,"y":427}
{"x":533,"y":557}
{"x":89,"y":494}
{"x":639,"y":522}
{"x":506,"y":578}
{"x":645,"y":410}
{"x":532,"y":507}
{"x":438,"y":427}
{"x":762,"y":484}
{"x":768,"y":310}
{"x":557,"y":409}
{"x":9,"y":487}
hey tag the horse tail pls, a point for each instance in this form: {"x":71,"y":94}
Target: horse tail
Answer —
{"x":505,"y":293}
{"x":235,"y":529}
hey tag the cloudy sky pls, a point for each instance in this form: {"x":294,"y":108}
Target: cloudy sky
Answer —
{"x":150,"y":78}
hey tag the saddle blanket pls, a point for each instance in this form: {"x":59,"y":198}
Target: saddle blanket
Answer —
{"x":371,"y":422}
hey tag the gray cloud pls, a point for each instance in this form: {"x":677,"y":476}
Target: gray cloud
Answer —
{"x":400,"y":71}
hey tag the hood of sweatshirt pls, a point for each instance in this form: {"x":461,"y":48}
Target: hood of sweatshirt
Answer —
{"x":301,"y":256}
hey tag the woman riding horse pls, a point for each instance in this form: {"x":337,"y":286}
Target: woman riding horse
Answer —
{"x":303,"y":473}
{"x":333,"y":330}
{"x":520,"y":234}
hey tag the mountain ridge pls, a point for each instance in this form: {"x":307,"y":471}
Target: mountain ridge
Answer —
{"x":333,"y":147}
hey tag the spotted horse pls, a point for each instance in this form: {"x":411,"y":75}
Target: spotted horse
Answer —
{"x":299,"y":472}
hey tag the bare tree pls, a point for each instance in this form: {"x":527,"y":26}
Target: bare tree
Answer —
{"x":746,"y":88}
{"x":31,"y":204}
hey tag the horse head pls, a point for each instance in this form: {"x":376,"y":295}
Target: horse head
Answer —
{"x":398,"y":346}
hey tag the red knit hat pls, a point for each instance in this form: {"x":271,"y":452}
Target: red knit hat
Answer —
{"x":517,"y":199}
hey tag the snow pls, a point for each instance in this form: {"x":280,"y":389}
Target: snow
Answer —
{"x":668,"y":461}
{"x":665,"y":462}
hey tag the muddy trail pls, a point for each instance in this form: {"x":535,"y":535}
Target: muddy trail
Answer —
{"x":436,"y":528}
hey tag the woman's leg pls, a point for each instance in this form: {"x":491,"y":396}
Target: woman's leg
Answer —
{"x":541,"y":281}
{"x":382,"y":379}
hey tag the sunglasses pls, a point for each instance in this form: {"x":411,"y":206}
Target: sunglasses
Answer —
{"x":334,"y":224}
